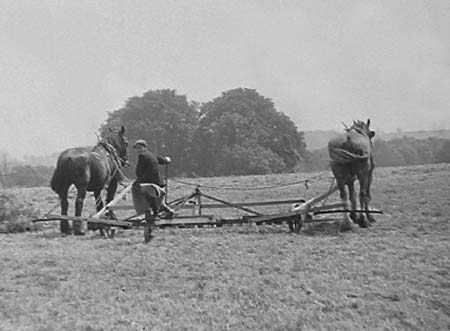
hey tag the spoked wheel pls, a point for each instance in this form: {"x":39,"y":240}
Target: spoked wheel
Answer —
{"x":295,"y":225}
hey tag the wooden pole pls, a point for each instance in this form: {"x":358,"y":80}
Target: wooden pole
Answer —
{"x":112,"y":202}
{"x":307,"y":205}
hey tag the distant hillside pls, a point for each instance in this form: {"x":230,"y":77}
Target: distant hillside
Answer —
{"x":43,"y":160}
{"x":424,"y":134}
{"x":319,"y":138}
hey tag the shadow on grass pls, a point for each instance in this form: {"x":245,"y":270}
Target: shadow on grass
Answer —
{"x":321,"y":229}
{"x":54,"y":234}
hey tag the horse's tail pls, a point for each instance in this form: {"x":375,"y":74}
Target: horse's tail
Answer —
{"x":62,"y":174}
{"x":57,"y":180}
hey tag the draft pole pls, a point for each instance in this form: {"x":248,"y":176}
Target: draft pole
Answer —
{"x":167,"y":183}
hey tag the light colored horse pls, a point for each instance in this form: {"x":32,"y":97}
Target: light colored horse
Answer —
{"x":351,"y":158}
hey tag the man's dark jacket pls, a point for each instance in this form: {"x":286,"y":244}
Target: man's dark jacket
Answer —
{"x":147,"y":170}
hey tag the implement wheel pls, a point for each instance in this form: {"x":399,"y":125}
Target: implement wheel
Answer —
{"x":295,"y":225}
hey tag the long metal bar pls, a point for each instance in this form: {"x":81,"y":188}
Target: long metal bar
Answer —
{"x":372,"y":211}
{"x":252,"y":203}
{"x":55,"y":217}
{"x":315,"y":209}
{"x":307,"y":205}
{"x":221,"y":205}
{"x":182,"y":202}
{"x":231,"y":204}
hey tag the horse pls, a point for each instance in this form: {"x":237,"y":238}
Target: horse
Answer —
{"x":89,"y":171}
{"x":351,"y":158}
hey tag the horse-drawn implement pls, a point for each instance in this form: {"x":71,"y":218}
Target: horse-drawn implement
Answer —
{"x":191,"y":212}
{"x":351,"y":158}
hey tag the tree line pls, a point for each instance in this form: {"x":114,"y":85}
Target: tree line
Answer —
{"x":238,"y":133}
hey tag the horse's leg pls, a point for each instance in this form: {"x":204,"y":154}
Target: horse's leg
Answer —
{"x":81,"y":195}
{"x":346,"y":223}
{"x":64,"y":225}
{"x":112,"y":188}
{"x":369,"y":198}
{"x":363,"y":178}
{"x":351,"y":193}
{"x":98,"y":207}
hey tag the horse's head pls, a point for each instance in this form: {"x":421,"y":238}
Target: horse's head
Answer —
{"x":118,"y":140}
{"x":362,"y":128}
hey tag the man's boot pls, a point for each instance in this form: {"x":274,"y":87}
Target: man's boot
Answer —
{"x":148,"y":227}
{"x":78,"y":228}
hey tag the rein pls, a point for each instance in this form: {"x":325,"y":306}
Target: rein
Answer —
{"x":116,"y":159}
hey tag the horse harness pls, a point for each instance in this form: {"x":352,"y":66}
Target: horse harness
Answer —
{"x":116,"y":159}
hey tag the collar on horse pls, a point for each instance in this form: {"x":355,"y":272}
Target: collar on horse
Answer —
{"x":360,"y":131}
{"x":119,"y":161}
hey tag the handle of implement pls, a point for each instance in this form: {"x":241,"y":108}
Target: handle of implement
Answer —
{"x":167,"y":183}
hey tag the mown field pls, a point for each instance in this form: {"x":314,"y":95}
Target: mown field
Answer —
{"x":393,"y":276}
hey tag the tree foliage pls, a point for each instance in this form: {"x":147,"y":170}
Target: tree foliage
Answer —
{"x":165,"y":119}
{"x":242,"y":132}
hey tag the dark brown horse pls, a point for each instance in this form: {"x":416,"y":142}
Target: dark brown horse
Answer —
{"x":89,"y":171}
{"x":351,"y":158}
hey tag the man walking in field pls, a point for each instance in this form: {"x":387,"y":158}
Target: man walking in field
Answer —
{"x":148,"y":188}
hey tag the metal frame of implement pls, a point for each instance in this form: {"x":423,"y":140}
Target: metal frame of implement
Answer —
{"x":302,"y":212}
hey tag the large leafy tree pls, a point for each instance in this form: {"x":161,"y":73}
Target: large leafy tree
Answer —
{"x":241,"y":132}
{"x":165,"y":119}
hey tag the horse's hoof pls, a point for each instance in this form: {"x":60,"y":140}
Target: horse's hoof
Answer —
{"x":92,"y":226}
{"x":362,"y":222}
{"x":346,"y":225}
{"x":111,"y":216}
{"x":82,"y":233}
{"x":148,"y":236}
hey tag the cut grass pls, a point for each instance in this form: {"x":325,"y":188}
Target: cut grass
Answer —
{"x":394,"y":275}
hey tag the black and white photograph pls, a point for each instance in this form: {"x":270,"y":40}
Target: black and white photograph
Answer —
{"x":224,"y":165}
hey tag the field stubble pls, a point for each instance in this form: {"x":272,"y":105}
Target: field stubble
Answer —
{"x":393,"y":276}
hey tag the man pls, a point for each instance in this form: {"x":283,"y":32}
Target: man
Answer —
{"x":148,"y":192}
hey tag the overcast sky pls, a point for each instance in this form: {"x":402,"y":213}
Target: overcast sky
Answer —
{"x":64,"y":64}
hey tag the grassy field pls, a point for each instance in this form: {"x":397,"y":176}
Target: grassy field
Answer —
{"x":393,"y":276}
